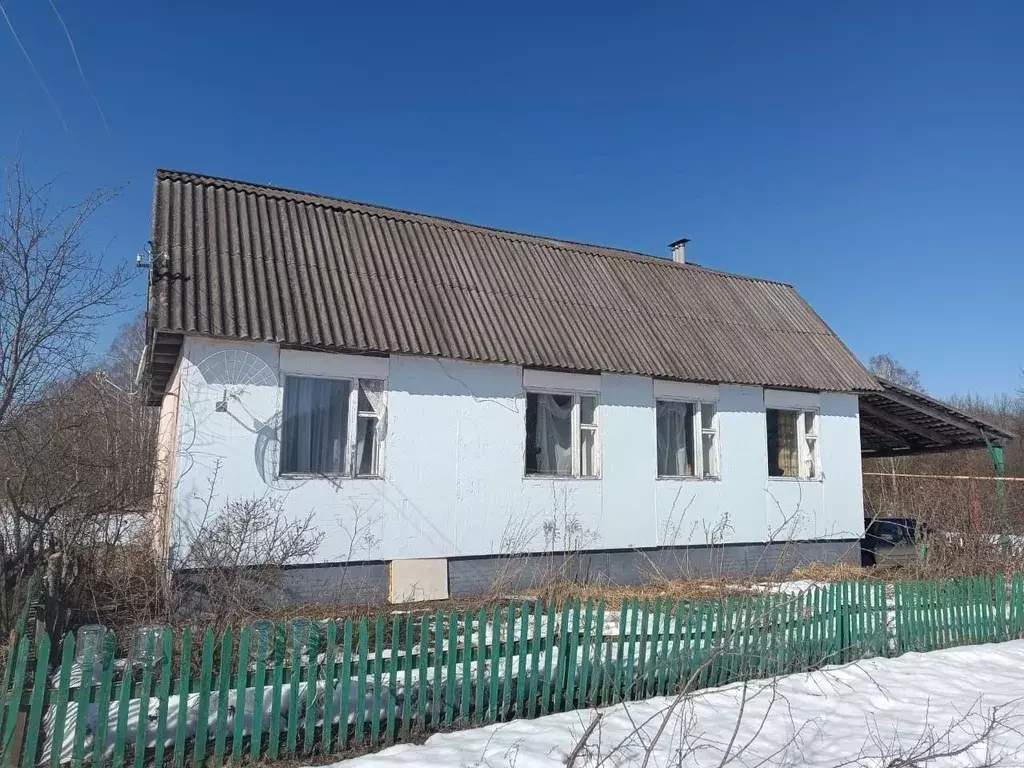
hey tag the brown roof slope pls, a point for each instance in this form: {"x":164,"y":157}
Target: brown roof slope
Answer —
{"x":244,"y":261}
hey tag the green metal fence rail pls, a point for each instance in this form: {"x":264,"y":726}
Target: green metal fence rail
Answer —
{"x":298,"y":688}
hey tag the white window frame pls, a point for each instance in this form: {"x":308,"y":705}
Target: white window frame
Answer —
{"x":698,"y":431}
{"x":577,"y":442}
{"x":803,"y":457}
{"x":814,"y":457}
{"x":351,"y":426}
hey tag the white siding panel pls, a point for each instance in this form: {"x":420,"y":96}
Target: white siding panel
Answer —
{"x":453,"y":469}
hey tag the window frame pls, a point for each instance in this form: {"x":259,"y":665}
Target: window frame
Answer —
{"x":576,"y":428}
{"x":815,"y":455}
{"x":352,"y":416}
{"x":801,"y":443}
{"x":697,"y":435}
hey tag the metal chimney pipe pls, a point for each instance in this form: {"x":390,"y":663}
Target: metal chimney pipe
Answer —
{"x":679,"y":250}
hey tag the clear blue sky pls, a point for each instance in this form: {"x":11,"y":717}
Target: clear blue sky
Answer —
{"x":872,"y":156}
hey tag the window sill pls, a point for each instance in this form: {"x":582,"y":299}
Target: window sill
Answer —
{"x":774,"y":478}
{"x":324,"y":476}
{"x":564,"y":478}
{"x":687,"y":479}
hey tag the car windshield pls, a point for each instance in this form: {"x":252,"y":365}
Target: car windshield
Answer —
{"x":894,"y":532}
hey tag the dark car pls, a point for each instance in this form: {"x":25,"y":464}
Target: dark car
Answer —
{"x":891,"y":541}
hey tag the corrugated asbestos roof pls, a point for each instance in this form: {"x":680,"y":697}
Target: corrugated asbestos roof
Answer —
{"x":243,"y":261}
{"x":898,"y":421}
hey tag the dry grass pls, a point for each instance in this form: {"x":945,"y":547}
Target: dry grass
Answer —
{"x":821,"y":572}
{"x":694,"y":590}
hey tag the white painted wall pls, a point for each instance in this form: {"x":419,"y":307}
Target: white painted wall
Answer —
{"x":453,"y":468}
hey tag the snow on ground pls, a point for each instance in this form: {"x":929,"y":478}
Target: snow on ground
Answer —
{"x":863,"y":714}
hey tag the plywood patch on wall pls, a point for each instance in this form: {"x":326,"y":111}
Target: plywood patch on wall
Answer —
{"x":416,"y":580}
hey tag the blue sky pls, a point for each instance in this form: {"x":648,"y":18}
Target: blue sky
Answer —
{"x":872,"y":156}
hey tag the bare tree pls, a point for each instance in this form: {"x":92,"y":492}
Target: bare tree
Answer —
{"x":886,"y":366}
{"x":73,"y":447}
{"x":54,"y":291}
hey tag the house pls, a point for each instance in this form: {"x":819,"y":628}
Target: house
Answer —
{"x":456,"y":405}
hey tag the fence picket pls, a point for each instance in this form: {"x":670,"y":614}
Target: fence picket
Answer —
{"x":924,"y":606}
{"x":6,"y":693}
{"x":294,"y":691}
{"x":263,"y":649}
{"x":223,"y":688}
{"x":392,"y":689}
{"x":557,"y":679}
{"x":535,"y":644}
{"x":13,"y":693}
{"x":999,"y":599}
{"x":203,"y":710}
{"x":933,"y":604}
{"x":184,"y":675}
{"x":142,"y":719}
{"x":699,"y":643}
{"x":649,"y":616}
{"x":482,"y":657}
{"x":312,"y":693}
{"x":506,"y":677}
{"x":121,"y":730}
{"x":360,"y":730}
{"x":40,"y":682}
{"x":346,"y":686}
{"x":467,"y":664}
{"x":450,"y":680}
{"x":586,"y":654}
{"x":277,"y":683}
{"x":808,"y":633}
{"x":410,"y":629}
{"x":422,"y":683}
{"x":378,"y":668}
{"x":549,"y":641}
{"x":241,"y":697}
{"x":629,"y":681}
{"x":61,"y":705}
{"x":572,"y":648}
{"x":616,"y":670}
{"x":523,"y":656}
{"x":85,"y":675}
{"x":671,"y":632}
{"x":437,"y":679}
{"x":494,"y":655}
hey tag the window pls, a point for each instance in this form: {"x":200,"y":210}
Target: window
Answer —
{"x":561,"y":434}
{"x":371,"y":401}
{"x":809,"y":458}
{"x":331,"y":426}
{"x":687,"y":436}
{"x":793,"y":444}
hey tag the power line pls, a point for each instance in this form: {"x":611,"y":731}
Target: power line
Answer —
{"x":944,"y":477}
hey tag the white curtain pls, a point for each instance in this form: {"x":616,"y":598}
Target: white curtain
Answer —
{"x":369,"y":430}
{"x":675,"y":451}
{"x":554,"y":434}
{"x":315,"y":419}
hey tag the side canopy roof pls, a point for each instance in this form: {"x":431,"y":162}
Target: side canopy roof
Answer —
{"x":898,"y":421}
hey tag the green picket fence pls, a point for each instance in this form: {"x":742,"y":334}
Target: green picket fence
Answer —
{"x":298,"y":688}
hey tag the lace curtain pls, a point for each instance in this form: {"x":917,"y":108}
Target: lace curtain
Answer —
{"x":675,"y":439}
{"x":553,"y":434}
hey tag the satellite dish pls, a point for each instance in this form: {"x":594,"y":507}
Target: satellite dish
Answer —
{"x":228,"y":376}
